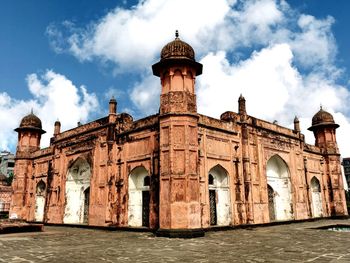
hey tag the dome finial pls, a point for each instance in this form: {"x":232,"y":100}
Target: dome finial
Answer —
{"x":321,"y":106}
{"x":31,"y":111}
{"x":176,"y":33}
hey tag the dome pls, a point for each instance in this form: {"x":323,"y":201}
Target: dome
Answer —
{"x":177,"y":49}
{"x":31,"y":121}
{"x":176,"y":52}
{"x":322,"y":118}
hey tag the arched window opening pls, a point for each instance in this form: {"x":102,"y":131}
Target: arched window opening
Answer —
{"x":315,"y":185}
{"x":40,"y":188}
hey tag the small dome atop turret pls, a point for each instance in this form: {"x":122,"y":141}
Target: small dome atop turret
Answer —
{"x":177,"y":49}
{"x":30,"y":122}
{"x":322,"y":118}
{"x":177,"y":52}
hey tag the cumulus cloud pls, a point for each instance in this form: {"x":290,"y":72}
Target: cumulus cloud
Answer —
{"x":281,"y":60}
{"x":53,"y":97}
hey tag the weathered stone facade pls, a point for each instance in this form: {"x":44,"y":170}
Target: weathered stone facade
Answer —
{"x":177,"y":170}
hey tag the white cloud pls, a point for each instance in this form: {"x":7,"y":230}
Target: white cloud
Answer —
{"x":274,"y":90}
{"x":289,"y":67}
{"x":266,"y":80}
{"x":54,"y":97}
{"x":146,"y":94}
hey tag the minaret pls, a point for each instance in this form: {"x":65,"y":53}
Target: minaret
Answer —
{"x":29,"y":136}
{"x":323,"y":127}
{"x":179,"y":203}
{"x":241,"y":105}
{"x":57,"y":128}
{"x":296,"y":124}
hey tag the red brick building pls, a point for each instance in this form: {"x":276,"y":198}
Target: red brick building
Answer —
{"x":177,"y":171}
{"x":5,"y":196}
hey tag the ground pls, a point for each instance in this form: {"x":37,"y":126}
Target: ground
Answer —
{"x":296,"y":242}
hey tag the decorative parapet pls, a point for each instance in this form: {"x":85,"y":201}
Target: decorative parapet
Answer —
{"x":82,"y":129}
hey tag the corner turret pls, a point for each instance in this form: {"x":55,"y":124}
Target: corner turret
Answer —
{"x":29,"y":133}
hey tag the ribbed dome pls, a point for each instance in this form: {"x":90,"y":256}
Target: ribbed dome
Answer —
{"x":31,"y":121}
{"x":322,"y":118}
{"x":177,"y":49}
{"x":177,"y":52}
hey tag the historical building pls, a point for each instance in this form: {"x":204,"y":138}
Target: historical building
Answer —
{"x":5,"y":196}
{"x":7,"y":163}
{"x":177,"y":171}
{"x":346,"y":165}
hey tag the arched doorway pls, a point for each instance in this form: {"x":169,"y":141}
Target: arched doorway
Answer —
{"x":316,"y":197}
{"x":40,"y":201}
{"x":279,"y":189}
{"x":86,"y":205}
{"x":219,"y":197}
{"x":138,"y":206}
{"x":77,"y":193}
{"x":271,"y":197}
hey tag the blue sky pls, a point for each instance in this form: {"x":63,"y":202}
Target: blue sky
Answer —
{"x":65,"y":59}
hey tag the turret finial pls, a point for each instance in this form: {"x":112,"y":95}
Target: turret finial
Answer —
{"x":176,"y":33}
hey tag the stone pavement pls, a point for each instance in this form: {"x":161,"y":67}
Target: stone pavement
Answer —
{"x":296,"y":242}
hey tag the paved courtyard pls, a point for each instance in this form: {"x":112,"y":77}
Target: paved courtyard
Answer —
{"x":296,"y":242}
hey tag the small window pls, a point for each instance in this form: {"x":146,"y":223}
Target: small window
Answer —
{"x":146,"y":181}
{"x":211,"y":179}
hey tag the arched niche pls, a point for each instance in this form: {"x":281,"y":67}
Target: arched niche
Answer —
{"x":219,"y":196}
{"x":189,"y":81}
{"x":165,"y":82}
{"x":316,"y":197}
{"x":40,"y":196}
{"x":138,"y":203}
{"x":177,"y":82}
{"x":278,"y":178}
{"x":77,"y":183}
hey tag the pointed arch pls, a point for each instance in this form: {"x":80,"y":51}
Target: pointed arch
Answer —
{"x":219,"y":196}
{"x":138,"y":203}
{"x":77,"y":182}
{"x":40,"y":196}
{"x":316,"y":197}
{"x":278,"y":178}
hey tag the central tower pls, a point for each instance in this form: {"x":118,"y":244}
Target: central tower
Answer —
{"x":179,"y":200}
